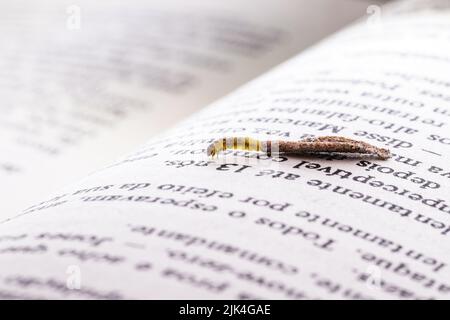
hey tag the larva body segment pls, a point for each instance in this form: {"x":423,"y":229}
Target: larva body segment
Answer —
{"x":236,"y":143}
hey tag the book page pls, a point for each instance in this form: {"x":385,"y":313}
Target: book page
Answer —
{"x":169,"y":222}
{"x":82,"y":84}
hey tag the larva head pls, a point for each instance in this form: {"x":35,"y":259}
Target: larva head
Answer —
{"x":384,"y":154}
{"x":211,"y":150}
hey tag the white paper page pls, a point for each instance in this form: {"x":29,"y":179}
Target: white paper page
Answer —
{"x":83,"y":83}
{"x":167,"y":222}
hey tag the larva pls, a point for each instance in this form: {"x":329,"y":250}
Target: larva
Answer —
{"x":310,"y":145}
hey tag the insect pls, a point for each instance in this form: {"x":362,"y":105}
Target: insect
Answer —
{"x":309,"y":145}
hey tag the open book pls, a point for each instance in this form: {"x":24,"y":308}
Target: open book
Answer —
{"x":166,"y":221}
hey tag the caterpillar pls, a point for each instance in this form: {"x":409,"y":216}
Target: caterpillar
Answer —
{"x":309,"y":145}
